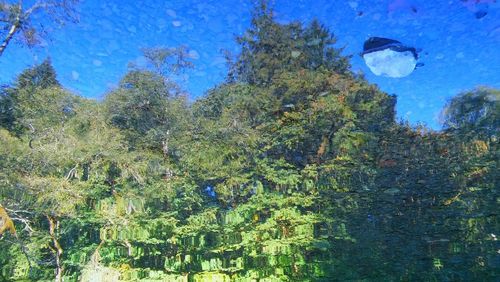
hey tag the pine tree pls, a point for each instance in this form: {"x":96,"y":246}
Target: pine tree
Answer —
{"x":39,"y":76}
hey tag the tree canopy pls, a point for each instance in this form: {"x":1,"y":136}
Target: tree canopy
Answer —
{"x":474,"y":112}
{"x":293,"y":169}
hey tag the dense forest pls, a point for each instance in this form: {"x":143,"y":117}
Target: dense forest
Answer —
{"x":292,"y":169}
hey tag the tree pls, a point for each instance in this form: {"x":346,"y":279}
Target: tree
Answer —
{"x":293,"y":171}
{"x":269,"y":48}
{"x":36,"y":101}
{"x":17,"y":19}
{"x":148,"y":104}
{"x":167,"y":61}
{"x":24,"y":97}
{"x":475,"y":113}
{"x":7,"y":117}
{"x":39,"y":76}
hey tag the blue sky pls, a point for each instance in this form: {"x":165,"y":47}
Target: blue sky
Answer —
{"x":459,"y":50}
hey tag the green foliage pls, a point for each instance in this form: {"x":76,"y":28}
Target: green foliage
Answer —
{"x":293,"y":170}
{"x":7,"y":117}
{"x":474,"y":113}
{"x":148,"y":105}
{"x":40,"y":76}
{"x":270,"y":48}
{"x":35,"y":90}
{"x":138,"y":106}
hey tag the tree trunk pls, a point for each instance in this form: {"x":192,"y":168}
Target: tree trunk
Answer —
{"x":53,"y":227}
{"x":165,"y":145}
{"x":13,"y":29}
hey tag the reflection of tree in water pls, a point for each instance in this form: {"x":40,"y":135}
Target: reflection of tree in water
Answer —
{"x":293,"y":169}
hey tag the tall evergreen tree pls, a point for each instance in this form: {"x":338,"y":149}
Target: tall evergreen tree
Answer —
{"x":30,"y":95}
{"x":39,"y":76}
{"x":269,"y":48}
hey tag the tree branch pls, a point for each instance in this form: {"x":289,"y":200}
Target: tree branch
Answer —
{"x":38,"y":5}
{"x":60,"y":10}
{"x":12,"y":31}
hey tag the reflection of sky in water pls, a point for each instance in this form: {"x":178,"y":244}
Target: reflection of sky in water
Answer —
{"x":460,"y":51}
